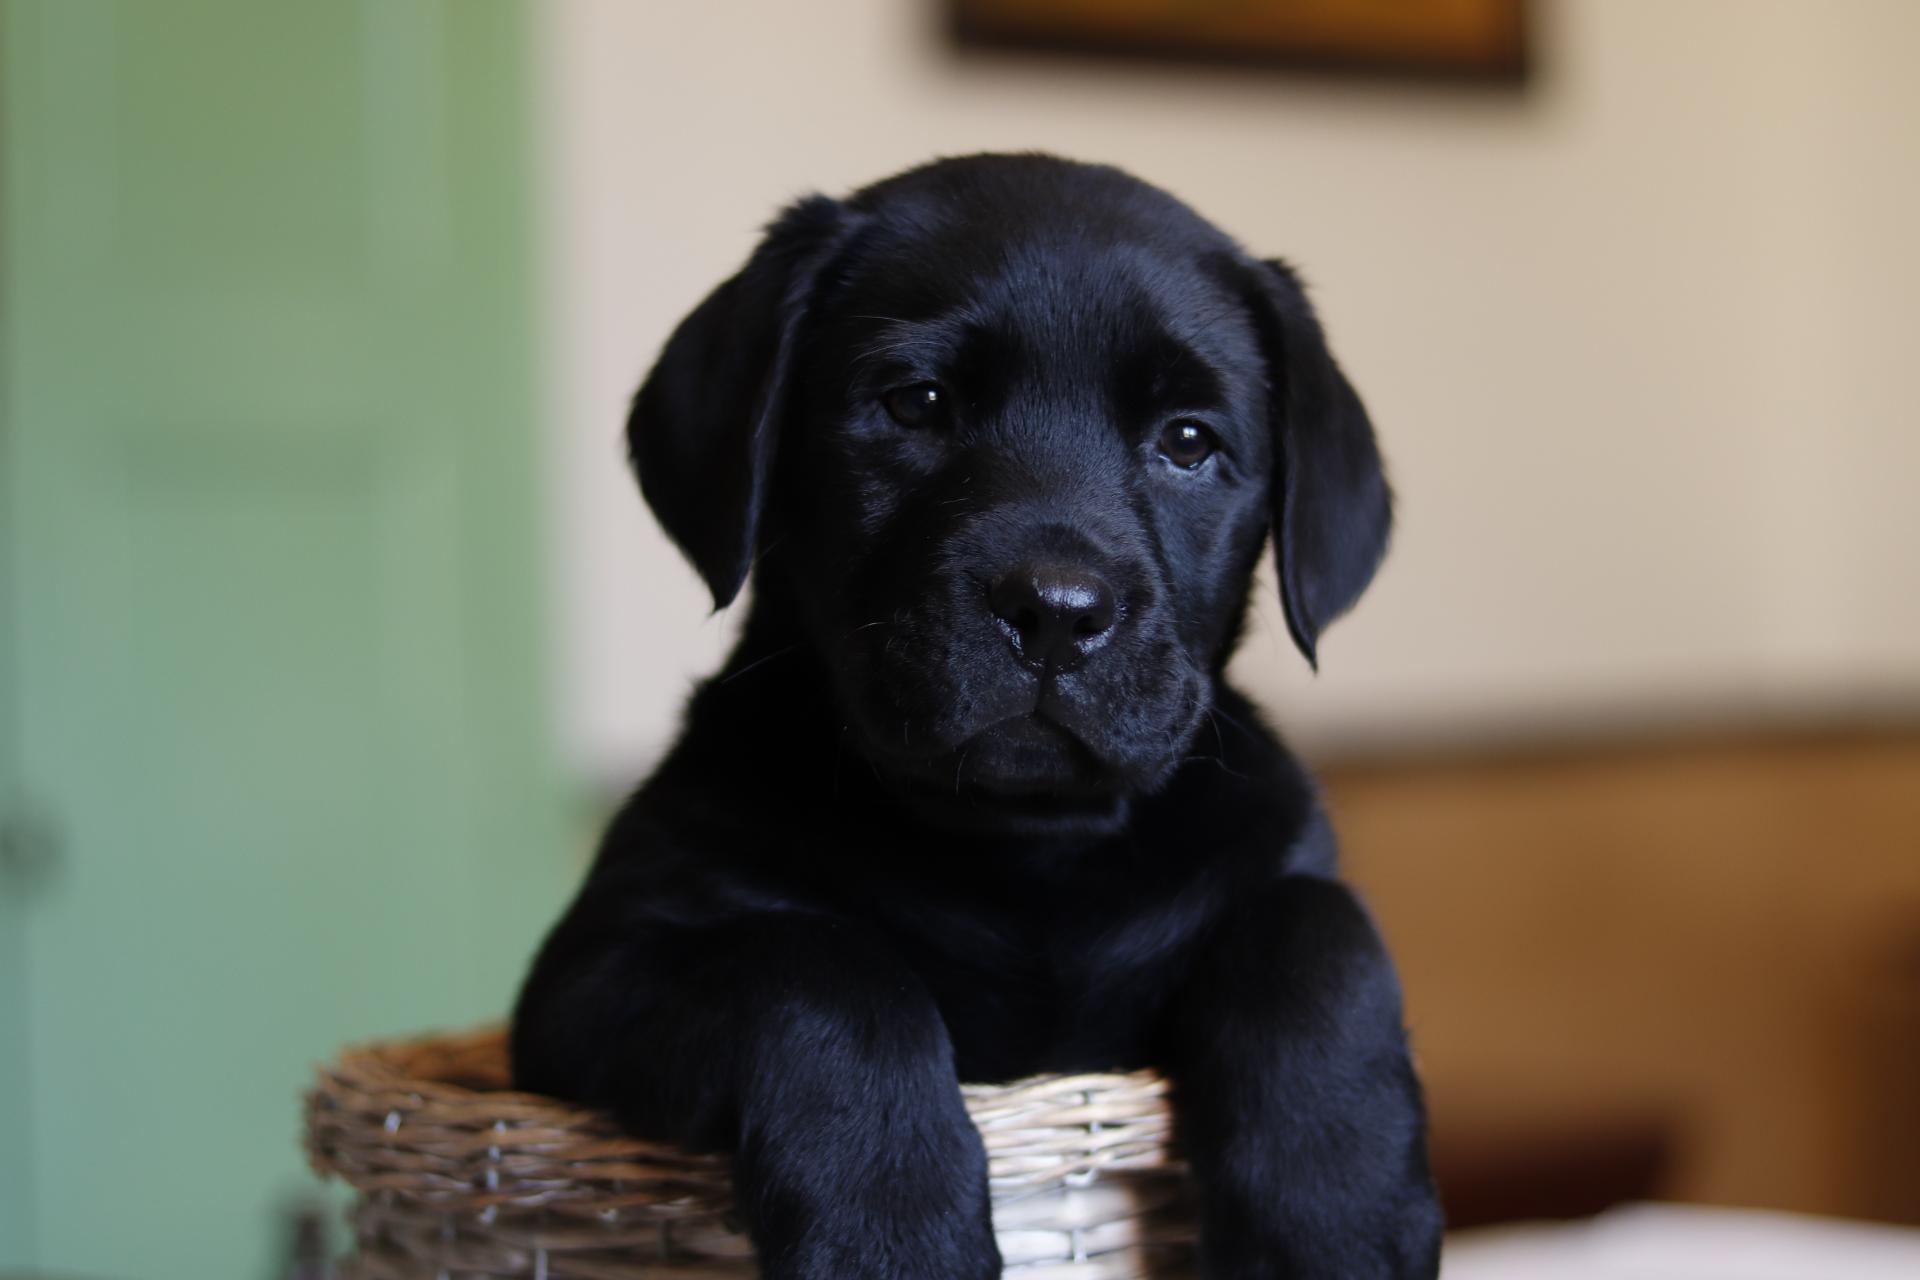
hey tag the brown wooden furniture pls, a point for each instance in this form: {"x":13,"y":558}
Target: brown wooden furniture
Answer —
{"x":1716,"y":940}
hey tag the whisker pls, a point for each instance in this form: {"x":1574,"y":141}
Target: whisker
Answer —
{"x":1217,"y":763}
{"x":757,"y":663}
{"x":1217,"y":712}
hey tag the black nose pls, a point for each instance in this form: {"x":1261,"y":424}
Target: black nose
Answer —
{"x":1054,"y":615}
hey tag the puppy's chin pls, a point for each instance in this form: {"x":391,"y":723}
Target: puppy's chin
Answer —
{"x":1027,"y":756}
{"x":1023,"y":756}
{"x":1024,"y":774}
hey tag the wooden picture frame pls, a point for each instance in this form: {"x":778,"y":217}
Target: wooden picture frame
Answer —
{"x":1450,"y":39}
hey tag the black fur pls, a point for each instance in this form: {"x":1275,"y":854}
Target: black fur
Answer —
{"x":893,"y":849}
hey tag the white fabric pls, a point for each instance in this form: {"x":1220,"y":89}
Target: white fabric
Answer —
{"x":1683,"y":1242}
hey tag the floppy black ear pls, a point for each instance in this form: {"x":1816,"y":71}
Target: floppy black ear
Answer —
{"x":1332,"y":510}
{"x":704,"y":424}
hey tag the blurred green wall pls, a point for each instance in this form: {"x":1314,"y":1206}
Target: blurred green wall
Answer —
{"x":273,"y":685}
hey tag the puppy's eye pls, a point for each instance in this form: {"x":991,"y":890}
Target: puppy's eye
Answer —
{"x":1186,"y":443}
{"x":921,"y":405}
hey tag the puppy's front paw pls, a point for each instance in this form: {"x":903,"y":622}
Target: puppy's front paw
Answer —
{"x":1396,"y":1240}
{"x":896,"y":1243}
{"x":916,"y":1208}
{"x":1407,"y":1237}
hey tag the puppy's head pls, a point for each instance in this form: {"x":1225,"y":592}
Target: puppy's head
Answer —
{"x":1010,"y":432}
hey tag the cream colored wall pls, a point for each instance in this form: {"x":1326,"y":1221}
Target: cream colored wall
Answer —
{"x":1637,"y":341}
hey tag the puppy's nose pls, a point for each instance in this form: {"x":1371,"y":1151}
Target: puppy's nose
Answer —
{"x":1055,"y":615}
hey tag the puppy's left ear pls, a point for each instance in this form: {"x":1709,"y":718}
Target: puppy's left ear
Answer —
{"x":1332,"y":510}
{"x":705,"y":422}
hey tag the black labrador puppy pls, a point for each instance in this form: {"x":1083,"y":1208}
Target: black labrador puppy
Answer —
{"x":999,"y":441}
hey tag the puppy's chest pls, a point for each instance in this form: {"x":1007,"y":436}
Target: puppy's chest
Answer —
{"x":1024,"y":992}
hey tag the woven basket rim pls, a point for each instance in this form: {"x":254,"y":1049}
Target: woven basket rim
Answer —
{"x":383,"y":1062}
{"x":446,"y":1164}
{"x":405,"y":1080}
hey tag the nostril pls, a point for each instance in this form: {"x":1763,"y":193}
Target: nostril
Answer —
{"x":1015,"y":602}
{"x":1086,"y":611}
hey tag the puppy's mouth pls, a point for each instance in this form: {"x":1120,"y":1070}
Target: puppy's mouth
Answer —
{"x":934,"y":707}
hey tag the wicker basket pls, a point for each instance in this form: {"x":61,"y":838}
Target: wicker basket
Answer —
{"x":458,"y":1178}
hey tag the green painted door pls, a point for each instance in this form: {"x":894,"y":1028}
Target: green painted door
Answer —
{"x":273,"y":686}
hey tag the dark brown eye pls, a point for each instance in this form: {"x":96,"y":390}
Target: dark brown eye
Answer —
{"x":1186,"y":443}
{"x":921,"y":405}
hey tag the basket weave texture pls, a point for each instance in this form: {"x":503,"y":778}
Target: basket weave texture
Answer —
{"x":460,"y":1178}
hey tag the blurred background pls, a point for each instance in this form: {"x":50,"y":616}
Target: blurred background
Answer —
{"x":333,"y":624}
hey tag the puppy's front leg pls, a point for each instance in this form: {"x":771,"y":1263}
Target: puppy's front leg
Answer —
{"x":800,"y":1045}
{"x":1298,"y":1106}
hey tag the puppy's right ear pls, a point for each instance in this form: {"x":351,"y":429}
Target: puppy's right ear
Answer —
{"x":704,"y":424}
